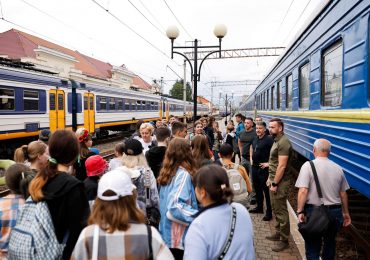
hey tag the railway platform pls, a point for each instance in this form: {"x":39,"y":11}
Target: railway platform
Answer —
{"x":262,"y":246}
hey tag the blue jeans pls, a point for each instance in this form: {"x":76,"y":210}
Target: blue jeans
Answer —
{"x":313,"y":247}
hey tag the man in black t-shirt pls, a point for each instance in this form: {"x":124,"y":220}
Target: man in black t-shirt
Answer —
{"x":260,"y":152}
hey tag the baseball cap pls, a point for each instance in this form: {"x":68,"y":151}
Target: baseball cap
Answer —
{"x":95,"y":165}
{"x":116,"y":181}
{"x":133,"y":147}
{"x":225,"y":150}
{"x":44,"y":135}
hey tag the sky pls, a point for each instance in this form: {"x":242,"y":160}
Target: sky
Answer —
{"x":133,"y":32}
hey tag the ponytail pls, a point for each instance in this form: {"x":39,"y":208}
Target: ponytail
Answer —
{"x":21,"y":154}
{"x":41,"y":179}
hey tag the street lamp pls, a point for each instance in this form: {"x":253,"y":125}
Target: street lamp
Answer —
{"x":227,"y":101}
{"x":172,"y":33}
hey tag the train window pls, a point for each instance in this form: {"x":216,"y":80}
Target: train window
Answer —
{"x":52,"y":101}
{"x":103,"y":103}
{"x":272,"y":97}
{"x":332,"y":61}
{"x":268,"y":98}
{"x":304,"y":86}
{"x":86,"y":103}
{"x":7,"y":99}
{"x":112,"y":103}
{"x":127,"y":104}
{"x":60,"y":102}
{"x":289,"y":92}
{"x":278,"y":94}
{"x":31,"y":100}
{"x":120,"y":104}
{"x":91,"y":98}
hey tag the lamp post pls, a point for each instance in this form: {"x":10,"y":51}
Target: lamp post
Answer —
{"x":172,"y":33}
{"x":227,"y":100}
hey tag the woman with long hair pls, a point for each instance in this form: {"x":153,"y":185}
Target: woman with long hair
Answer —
{"x":118,"y":225}
{"x":203,"y":240}
{"x":35,"y":154}
{"x":63,"y":194}
{"x":136,"y":166}
{"x":209,"y":130}
{"x":200,"y":151}
{"x":85,"y":141}
{"x":198,"y":130}
{"x":177,"y":196}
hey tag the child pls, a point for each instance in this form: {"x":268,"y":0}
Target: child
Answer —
{"x":17,"y":178}
{"x":117,"y":161}
{"x":117,"y":225}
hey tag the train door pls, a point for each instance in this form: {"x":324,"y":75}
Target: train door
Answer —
{"x":57,"y":109}
{"x":89,"y":112}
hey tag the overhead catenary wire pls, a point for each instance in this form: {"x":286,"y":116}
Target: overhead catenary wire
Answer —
{"x":169,"y":8}
{"x":299,"y":17}
{"x":137,"y":9}
{"x":152,"y":15}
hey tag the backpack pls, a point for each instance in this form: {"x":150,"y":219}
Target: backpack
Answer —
{"x":237,"y":184}
{"x":33,"y":236}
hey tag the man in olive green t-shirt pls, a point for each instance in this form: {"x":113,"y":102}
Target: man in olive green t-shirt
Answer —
{"x":279,"y":180}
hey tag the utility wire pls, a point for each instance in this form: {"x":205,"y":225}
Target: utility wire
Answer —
{"x":1,"y":9}
{"x":285,"y":15}
{"x":141,"y":2}
{"x":169,"y":8}
{"x":299,"y":17}
{"x":131,"y":29}
{"x":137,"y":9}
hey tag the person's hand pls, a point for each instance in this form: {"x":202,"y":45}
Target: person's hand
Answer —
{"x":301,"y":217}
{"x":346,"y":220}
{"x":264,"y":165}
{"x":273,"y":189}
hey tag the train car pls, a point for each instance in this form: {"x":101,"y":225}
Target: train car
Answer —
{"x":320,"y":87}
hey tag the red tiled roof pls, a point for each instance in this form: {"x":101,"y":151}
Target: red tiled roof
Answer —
{"x":17,"y":44}
{"x":202,"y":100}
{"x":139,"y":82}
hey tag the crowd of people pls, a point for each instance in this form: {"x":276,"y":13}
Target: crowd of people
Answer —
{"x":167,"y":194}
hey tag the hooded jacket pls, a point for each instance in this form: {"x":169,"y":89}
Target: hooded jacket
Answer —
{"x":155,"y":156}
{"x":68,"y":206}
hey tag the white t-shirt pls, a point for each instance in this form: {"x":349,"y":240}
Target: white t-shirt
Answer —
{"x":331,"y":178}
{"x":114,"y":163}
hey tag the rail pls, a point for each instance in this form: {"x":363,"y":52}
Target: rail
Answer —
{"x":359,"y":239}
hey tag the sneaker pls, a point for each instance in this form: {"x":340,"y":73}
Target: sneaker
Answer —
{"x":266,"y":218}
{"x":280,"y":246}
{"x":274,"y":237}
{"x":256,"y":210}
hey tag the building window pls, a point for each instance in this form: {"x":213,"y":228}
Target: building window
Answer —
{"x":304,"y":86}
{"x":30,"y":100}
{"x":272,"y":97}
{"x":112,"y":103}
{"x":289,"y":92}
{"x":332,"y":62}
{"x":7,"y":98}
{"x":103,"y":103}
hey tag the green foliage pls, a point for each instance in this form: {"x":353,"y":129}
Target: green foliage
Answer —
{"x":178,"y":92}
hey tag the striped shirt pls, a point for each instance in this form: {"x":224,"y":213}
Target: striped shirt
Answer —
{"x":9,"y":206}
{"x":129,"y":244}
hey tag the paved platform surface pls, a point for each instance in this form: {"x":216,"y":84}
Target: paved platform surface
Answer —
{"x":262,"y":246}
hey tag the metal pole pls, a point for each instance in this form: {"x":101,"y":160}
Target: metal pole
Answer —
{"x":184,"y":91}
{"x":195,"y":78}
{"x":226,"y":110}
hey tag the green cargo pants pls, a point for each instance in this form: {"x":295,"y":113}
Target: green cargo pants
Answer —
{"x":280,"y":209}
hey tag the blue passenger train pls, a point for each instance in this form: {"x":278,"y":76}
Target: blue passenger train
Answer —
{"x":320,"y":87}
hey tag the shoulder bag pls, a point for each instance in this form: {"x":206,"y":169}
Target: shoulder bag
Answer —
{"x":319,"y":221}
{"x":230,"y":236}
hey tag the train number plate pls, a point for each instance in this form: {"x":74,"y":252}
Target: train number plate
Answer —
{"x":32,"y":127}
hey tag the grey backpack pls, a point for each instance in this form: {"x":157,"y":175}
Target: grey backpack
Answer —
{"x":237,"y":184}
{"x":33,"y":236}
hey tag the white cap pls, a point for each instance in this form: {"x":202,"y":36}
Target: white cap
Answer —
{"x":116,"y":181}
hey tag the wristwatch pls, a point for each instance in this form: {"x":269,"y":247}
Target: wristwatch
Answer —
{"x":274,"y":184}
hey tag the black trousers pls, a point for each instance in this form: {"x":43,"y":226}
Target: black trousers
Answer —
{"x":260,"y":177}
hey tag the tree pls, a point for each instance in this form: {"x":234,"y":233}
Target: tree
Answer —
{"x":177,"y":91}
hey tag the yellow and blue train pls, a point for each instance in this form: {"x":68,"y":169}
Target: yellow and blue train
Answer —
{"x":320,"y":87}
{"x":32,"y":100}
